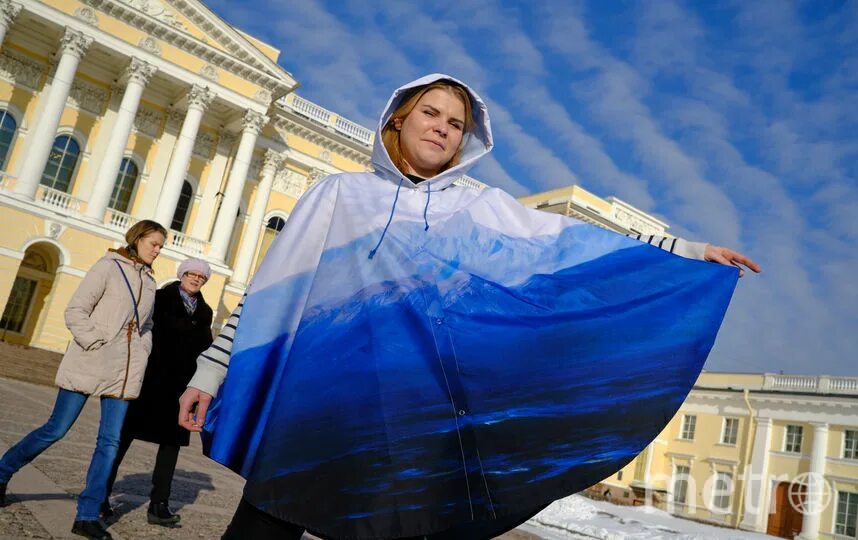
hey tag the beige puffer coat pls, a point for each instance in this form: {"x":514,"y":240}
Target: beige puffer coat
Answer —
{"x":101,"y":359}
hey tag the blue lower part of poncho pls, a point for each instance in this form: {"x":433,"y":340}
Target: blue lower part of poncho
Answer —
{"x":414,"y":405}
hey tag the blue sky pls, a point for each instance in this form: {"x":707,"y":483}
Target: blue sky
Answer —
{"x":736,"y":122}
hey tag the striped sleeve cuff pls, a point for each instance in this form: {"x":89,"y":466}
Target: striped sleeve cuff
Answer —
{"x":213,"y":363}
{"x":677,"y":246}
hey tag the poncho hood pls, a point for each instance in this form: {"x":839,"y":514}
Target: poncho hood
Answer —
{"x":476,"y":143}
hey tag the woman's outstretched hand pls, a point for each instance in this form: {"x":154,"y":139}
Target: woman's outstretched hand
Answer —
{"x":188,"y":419}
{"x":729,"y":257}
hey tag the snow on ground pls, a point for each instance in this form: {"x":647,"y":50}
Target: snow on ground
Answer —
{"x":578,"y":517}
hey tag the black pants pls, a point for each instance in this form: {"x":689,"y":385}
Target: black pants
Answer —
{"x":162,"y":475}
{"x":250,"y":522}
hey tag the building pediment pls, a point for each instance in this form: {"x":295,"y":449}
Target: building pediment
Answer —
{"x":194,"y":28}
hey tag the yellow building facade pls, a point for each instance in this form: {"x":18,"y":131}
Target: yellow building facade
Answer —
{"x":776,"y":454}
{"x":113,"y":111}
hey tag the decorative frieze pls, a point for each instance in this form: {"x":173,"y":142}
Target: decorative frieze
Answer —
{"x":204,"y":144}
{"x":209,"y":72}
{"x":20,"y":70}
{"x":263,"y":96}
{"x":150,"y":44}
{"x":290,"y":183}
{"x":87,"y":97}
{"x":87,"y":15}
{"x":225,"y":143}
{"x":148,"y":121}
{"x":157,"y":10}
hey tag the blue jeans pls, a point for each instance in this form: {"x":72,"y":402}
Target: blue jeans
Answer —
{"x":66,"y":410}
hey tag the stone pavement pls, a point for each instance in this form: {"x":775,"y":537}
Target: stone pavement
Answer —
{"x":43,"y":493}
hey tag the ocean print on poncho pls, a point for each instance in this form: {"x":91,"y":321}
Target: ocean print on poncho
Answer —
{"x":485,"y":361}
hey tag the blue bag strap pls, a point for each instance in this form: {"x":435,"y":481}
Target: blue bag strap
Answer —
{"x":131,"y":292}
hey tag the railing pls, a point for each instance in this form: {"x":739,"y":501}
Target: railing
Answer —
{"x":355,"y":131}
{"x":186,"y":243}
{"x":57,"y":199}
{"x":323,"y":116}
{"x":119,"y":221}
{"x":821,"y":384}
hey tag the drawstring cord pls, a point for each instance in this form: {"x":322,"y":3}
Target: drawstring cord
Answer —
{"x":392,"y":210}
{"x":374,"y":250}
{"x":426,"y":209}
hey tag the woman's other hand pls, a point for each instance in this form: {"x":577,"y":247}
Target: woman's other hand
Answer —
{"x":729,"y":257}
{"x":187,"y":418}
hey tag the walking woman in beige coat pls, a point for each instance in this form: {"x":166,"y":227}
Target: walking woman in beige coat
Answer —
{"x":110,"y":319}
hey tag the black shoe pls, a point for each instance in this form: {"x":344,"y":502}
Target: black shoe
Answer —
{"x":91,"y":529}
{"x":159,"y":514}
{"x":2,"y":494}
{"x":106,"y":511}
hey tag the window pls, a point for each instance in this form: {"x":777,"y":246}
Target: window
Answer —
{"x":850,"y":444}
{"x":847,"y":511}
{"x":731,"y":431}
{"x":124,"y":186}
{"x":18,"y":305}
{"x":722,"y":492}
{"x":680,"y":484}
{"x":181,"y":213}
{"x":276,"y":224}
{"x":619,"y":475}
{"x":61,"y":163}
{"x":793,"y":439}
{"x":7,"y":134}
{"x":689,"y":422}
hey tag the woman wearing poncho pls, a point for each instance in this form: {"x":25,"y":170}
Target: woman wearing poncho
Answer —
{"x":417,"y":358}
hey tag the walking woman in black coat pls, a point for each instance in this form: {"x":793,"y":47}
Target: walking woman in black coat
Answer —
{"x":181,"y":331}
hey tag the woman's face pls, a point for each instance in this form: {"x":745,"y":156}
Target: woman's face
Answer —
{"x":149,"y":247}
{"x":431,"y":133}
{"x":192,"y":282}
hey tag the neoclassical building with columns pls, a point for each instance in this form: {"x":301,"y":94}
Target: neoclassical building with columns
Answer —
{"x":113,"y":111}
{"x":771,"y":453}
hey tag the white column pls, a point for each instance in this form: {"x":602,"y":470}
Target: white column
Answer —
{"x":72,"y":48}
{"x":253,"y":124}
{"x":137,"y":74}
{"x":816,"y":483}
{"x":255,"y":224}
{"x":756,"y":511}
{"x":8,"y":12}
{"x":199,"y":99}
{"x":202,"y":225}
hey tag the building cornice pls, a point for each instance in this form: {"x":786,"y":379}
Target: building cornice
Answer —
{"x":318,"y":135}
{"x":242,"y":65}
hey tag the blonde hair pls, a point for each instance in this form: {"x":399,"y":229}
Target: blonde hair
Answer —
{"x":140,"y":230}
{"x":390,"y":135}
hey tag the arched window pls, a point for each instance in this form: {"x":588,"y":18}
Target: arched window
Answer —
{"x":275,"y":224}
{"x":182,"y":207}
{"x":124,"y":186}
{"x":8,"y":125}
{"x":61,"y":163}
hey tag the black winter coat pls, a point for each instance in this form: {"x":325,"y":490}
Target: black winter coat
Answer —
{"x":177,"y":340}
